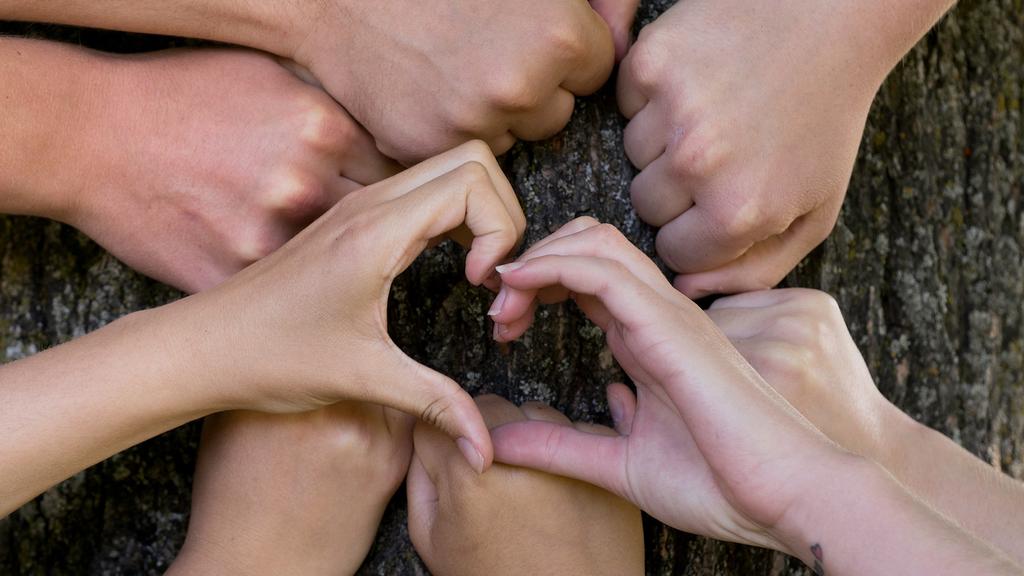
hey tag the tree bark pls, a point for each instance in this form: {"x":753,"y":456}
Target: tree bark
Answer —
{"x":925,"y":263}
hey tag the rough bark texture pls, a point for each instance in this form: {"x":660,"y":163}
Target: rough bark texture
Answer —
{"x":925,"y":262}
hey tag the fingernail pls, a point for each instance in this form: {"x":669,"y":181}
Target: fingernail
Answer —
{"x":498,"y":304}
{"x":499,"y":329}
{"x":472,"y":455}
{"x":510,"y":267}
{"x":616,"y":409}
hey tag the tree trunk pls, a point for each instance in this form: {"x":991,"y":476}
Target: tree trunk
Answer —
{"x":925,"y":263}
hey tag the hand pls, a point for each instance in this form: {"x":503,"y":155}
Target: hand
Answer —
{"x":512,"y":520}
{"x":307,"y":326}
{"x":798,"y":342}
{"x":705,"y":446}
{"x":293,"y":494}
{"x":184,"y":184}
{"x":745,"y":122}
{"x":425,"y":76}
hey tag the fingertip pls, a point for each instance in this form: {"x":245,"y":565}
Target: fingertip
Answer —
{"x":691,"y":286}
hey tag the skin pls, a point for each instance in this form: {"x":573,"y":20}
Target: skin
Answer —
{"x":706,"y":445}
{"x":299,"y":330}
{"x":797,"y":340}
{"x":422,"y":76}
{"x":514,"y":520}
{"x":745,"y":120}
{"x":152,"y":157}
{"x":294,"y":494}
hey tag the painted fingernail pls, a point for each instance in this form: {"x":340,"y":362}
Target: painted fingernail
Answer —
{"x":510,"y":267}
{"x":498,"y":304}
{"x":615,"y":406}
{"x":472,"y":455}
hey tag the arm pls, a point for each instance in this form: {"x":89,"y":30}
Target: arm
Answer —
{"x":271,"y":26}
{"x":48,"y":89}
{"x":798,"y":341}
{"x":706,"y":445}
{"x":298,"y":330}
{"x":422,"y":77}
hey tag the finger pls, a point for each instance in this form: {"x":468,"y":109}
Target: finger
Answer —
{"x":339,"y":188}
{"x":603,"y":241}
{"x":759,"y":299}
{"x":543,"y":413}
{"x":619,"y":14}
{"x":622,"y":404}
{"x":697,"y":241}
{"x":547,"y":119}
{"x":518,"y":300}
{"x":628,"y":299}
{"x":503,"y":143}
{"x":399,"y":424}
{"x":402,"y":383}
{"x":597,"y":58}
{"x":633,"y":89}
{"x":565,"y":451}
{"x":659,"y":194}
{"x":433,"y":168}
{"x":646,"y":136}
{"x":463,"y":198}
{"x":761,"y":267}
{"x":359,"y":159}
{"x":516,"y":328}
{"x":422,"y":496}
{"x":498,"y":411}
{"x":591,"y":428}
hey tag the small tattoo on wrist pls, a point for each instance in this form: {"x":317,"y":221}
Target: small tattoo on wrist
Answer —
{"x":819,"y":560}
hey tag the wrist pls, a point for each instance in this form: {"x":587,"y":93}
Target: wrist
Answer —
{"x":51,"y":95}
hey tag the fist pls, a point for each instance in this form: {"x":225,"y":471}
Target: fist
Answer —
{"x":513,"y":520}
{"x":186,"y":185}
{"x":745,"y":121}
{"x":426,"y":76}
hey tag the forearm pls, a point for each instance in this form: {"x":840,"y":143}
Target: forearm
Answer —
{"x":860,"y":520}
{"x":269,"y":26}
{"x":49,"y":89}
{"x":974,"y":494}
{"x":74,"y":405}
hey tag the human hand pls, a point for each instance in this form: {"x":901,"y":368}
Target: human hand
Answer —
{"x":307,"y":326}
{"x":798,"y":342}
{"x":514,"y":520}
{"x":293,"y":494}
{"x":706,"y":445}
{"x":745,"y":121}
{"x":185,"y":185}
{"x":425,"y":76}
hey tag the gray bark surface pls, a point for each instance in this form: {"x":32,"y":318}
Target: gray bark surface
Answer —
{"x":925,"y":263}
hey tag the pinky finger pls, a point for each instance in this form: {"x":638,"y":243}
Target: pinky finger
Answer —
{"x":761,"y":267}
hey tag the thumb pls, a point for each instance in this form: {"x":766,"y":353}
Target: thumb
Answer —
{"x":619,"y":15}
{"x":434,"y":398}
{"x":595,"y":458}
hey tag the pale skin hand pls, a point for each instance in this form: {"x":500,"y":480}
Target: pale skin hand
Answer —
{"x":797,"y":340}
{"x":294,"y":494}
{"x":745,"y":119}
{"x":422,"y":76}
{"x":514,"y":520}
{"x":299,"y":330}
{"x":706,"y":445}
{"x":157,"y":161}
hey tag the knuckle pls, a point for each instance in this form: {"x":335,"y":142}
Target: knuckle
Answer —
{"x":298,"y":194}
{"x":513,"y":91}
{"x":325,"y":127}
{"x":255,"y":245}
{"x":647,"y":61}
{"x":737,"y":220}
{"x":564,"y":39}
{"x":473,"y":174}
{"x":609,"y":236}
{"x":700,"y":152}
